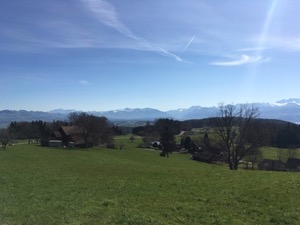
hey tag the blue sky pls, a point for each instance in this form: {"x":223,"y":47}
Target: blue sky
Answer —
{"x":110,"y":54}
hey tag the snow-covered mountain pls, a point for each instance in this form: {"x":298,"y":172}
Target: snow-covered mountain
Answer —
{"x":133,"y":114}
{"x":62,"y":111}
{"x":288,"y":110}
{"x":194,"y":112}
{"x":285,"y":102}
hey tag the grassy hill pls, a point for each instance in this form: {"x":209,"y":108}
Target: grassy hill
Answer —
{"x":132,"y":186}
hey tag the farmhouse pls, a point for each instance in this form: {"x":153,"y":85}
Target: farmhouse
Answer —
{"x":211,"y":155}
{"x":156,"y":144}
{"x":272,"y":165}
{"x":208,"y":153}
{"x":54,"y":143}
{"x":70,"y":136}
{"x":293,"y":164}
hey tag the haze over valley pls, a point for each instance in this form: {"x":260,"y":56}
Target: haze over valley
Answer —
{"x":287,"y":110}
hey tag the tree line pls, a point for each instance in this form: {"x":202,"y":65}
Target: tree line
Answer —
{"x":273,"y":133}
{"x":237,"y":134}
{"x":95,"y":130}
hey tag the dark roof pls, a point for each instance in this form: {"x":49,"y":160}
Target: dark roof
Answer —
{"x":78,"y":139}
{"x":57,"y":134}
{"x":271,"y":161}
{"x":70,"y":130}
{"x":293,"y":163}
{"x":269,"y":164}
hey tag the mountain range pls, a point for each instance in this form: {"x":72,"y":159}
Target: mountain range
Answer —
{"x":287,"y":110}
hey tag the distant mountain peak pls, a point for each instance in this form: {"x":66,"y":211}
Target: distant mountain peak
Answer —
{"x":284,"y":102}
{"x":62,"y":111}
{"x":286,"y":109}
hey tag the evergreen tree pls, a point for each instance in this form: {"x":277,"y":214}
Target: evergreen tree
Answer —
{"x":167,"y":141}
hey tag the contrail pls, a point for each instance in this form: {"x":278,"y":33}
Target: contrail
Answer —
{"x":105,"y":12}
{"x":188,"y":44}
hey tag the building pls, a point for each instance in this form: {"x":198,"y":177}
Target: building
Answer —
{"x":69,"y":136}
{"x":272,"y":165}
{"x":293,"y":164}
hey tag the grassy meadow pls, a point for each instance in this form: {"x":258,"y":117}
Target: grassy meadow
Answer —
{"x":41,"y":185}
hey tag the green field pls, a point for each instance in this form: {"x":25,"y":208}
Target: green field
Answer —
{"x":132,"y":186}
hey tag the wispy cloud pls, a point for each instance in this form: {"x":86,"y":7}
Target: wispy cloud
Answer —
{"x":105,"y":13}
{"x":242,"y":60}
{"x":162,"y":51}
{"x":251,"y":49}
{"x":84,"y":82}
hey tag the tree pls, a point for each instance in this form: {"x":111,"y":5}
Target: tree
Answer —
{"x":174,"y":126}
{"x":132,"y":138}
{"x":4,"y":137}
{"x":167,"y":129}
{"x":29,"y":130}
{"x":236,"y":131}
{"x":254,"y":156}
{"x":95,"y":130}
{"x":288,"y":137}
{"x":167,"y":141}
{"x":188,"y":143}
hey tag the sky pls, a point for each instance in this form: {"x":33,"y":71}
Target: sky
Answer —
{"x":98,"y":55}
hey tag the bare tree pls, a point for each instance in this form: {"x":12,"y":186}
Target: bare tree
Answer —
{"x":4,"y":137}
{"x":95,"y":130}
{"x":236,"y":131}
{"x":254,"y":156}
